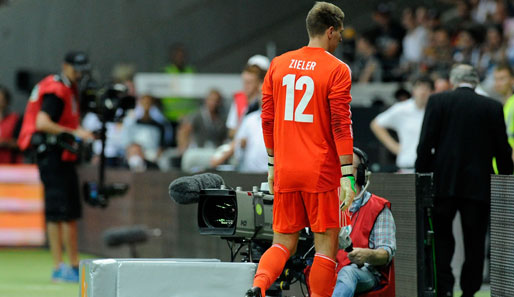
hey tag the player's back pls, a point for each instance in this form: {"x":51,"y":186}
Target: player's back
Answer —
{"x":301,"y":83}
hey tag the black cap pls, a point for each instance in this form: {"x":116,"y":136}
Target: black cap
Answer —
{"x":78,"y":60}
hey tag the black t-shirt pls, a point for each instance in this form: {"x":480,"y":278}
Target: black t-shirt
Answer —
{"x":53,"y":106}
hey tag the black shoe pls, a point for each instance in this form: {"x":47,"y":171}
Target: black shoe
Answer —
{"x":254,"y":292}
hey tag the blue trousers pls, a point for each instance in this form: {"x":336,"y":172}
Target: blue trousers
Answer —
{"x":351,"y":279}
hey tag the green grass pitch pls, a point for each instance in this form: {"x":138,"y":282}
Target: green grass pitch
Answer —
{"x":26,"y":273}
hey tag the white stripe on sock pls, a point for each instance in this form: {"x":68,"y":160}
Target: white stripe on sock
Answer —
{"x":325,"y":257}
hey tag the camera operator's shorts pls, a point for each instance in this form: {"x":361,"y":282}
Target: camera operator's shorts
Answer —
{"x":293,"y":211}
{"x":60,"y":180}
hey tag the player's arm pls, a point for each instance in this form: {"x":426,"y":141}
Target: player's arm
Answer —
{"x":340,"y":118}
{"x":385,"y":137}
{"x":268,"y":123}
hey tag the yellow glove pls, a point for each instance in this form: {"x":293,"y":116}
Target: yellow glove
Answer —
{"x":271,"y":173}
{"x":348,"y":191}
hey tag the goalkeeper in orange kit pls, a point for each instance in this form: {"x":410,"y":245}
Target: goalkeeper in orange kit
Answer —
{"x":306,"y":122}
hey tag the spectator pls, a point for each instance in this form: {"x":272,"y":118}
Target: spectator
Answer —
{"x":206,"y":127}
{"x":8,"y":123}
{"x":124,"y":74}
{"x":503,"y":84}
{"x":175,"y":108}
{"x":493,"y":52}
{"x":144,"y":130}
{"x":438,"y":54}
{"x":366,"y":67}
{"x":250,"y":150}
{"x":433,"y":19}
{"x":441,"y":82}
{"x":178,"y":58}
{"x":387,"y":36}
{"x":373,"y":235}
{"x":260,"y":61}
{"x":247,"y":143}
{"x":466,"y":48}
{"x":415,"y":39}
{"x":483,"y":10}
{"x":500,"y":15}
{"x":247,"y":100}
{"x":462,"y":132}
{"x":423,"y":17}
{"x":348,"y":45}
{"x":405,"y":119}
{"x":135,"y":159}
{"x":200,"y":134}
{"x":459,"y":18}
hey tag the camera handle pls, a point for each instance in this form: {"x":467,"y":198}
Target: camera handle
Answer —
{"x":101,"y":168}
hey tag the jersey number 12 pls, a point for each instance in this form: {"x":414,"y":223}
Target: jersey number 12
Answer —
{"x":291,"y":85}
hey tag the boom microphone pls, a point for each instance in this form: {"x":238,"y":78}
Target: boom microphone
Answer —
{"x":186,"y":189}
{"x":128,"y":235}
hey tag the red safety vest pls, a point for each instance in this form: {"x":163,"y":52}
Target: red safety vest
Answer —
{"x":7,"y":126}
{"x":70,"y":117}
{"x":241,"y":102}
{"x":362,"y":223}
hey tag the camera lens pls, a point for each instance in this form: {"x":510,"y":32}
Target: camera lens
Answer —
{"x":219,"y":211}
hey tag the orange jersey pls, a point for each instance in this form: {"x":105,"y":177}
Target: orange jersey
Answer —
{"x":306,"y":119}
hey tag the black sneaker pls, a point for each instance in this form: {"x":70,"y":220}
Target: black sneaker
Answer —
{"x":253,"y":292}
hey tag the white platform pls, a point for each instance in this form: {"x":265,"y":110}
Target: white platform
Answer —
{"x":164,"y":278}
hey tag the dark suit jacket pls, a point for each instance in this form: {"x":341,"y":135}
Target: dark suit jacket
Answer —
{"x":462,"y":132}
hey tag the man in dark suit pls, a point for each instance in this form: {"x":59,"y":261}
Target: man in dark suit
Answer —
{"x":462,"y":132}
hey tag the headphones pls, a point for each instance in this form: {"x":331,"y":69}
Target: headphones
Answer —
{"x":362,"y":170}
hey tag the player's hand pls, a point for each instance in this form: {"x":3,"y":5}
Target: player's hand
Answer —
{"x":359,"y":256}
{"x":83,"y":134}
{"x":348,"y":191}
{"x":271,"y":173}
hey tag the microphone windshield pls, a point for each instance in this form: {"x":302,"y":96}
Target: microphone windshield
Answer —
{"x":125,"y":235}
{"x":186,"y":189}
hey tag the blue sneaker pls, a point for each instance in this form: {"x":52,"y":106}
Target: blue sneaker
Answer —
{"x":71,"y":275}
{"x":57,"y":274}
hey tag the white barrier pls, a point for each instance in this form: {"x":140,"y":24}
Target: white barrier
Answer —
{"x":198,"y":85}
{"x":164,"y":278}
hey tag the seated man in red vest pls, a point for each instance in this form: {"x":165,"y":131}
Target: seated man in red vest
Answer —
{"x":372,"y":234}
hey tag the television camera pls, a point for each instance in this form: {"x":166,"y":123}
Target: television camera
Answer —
{"x":244,"y":219}
{"x":109,"y":103}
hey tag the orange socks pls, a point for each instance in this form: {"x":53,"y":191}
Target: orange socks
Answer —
{"x":270,"y":266}
{"x":322,"y":278}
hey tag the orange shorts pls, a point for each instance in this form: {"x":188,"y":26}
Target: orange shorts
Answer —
{"x":293,"y":211}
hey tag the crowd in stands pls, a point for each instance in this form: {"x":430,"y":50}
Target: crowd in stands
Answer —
{"x":426,"y":40}
{"x":166,"y":133}
{"x":404,"y":44}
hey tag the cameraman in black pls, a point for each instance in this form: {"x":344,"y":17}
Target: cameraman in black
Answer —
{"x":53,"y":112}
